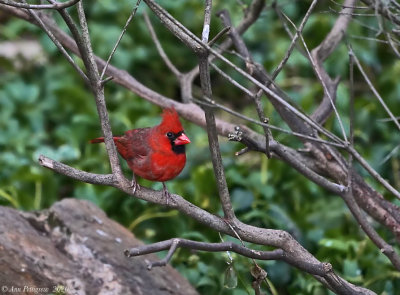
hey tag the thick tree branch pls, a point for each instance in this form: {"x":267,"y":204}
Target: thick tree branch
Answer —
{"x":321,"y":53}
{"x":295,"y":254}
{"x":56,"y":5}
{"x":97,"y":86}
{"x":320,"y":269}
{"x":102,"y":179}
{"x":215,"y":151}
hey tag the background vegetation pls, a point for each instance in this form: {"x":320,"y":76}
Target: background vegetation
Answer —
{"x":45,"y":108}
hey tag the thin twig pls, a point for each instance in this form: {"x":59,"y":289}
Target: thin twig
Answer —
{"x":207,"y":21}
{"x":279,"y":12}
{"x":251,"y":14}
{"x":351,"y":116}
{"x":120,"y":37}
{"x":102,"y":179}
{"x":384,"y":247}
{"x":98,"y":91}
{"x":219,"y":35}
{"x":205,"y":82}
{"x":349,"y":6}
{"x":173,"y":244}
{"x":322,"y":81}
{"x":58,"y":44}
{"x":196,"y":44}
{"x":262,"y":124}
{"x":294,"y":39}
{"x":159,"y":47}
{"x":243,"y":50}
{"x":392,"y":44}
{"x":373,"y":173}
{"x":231,"y":80}
{"x":108,"y":79}
{"x":373,"y":89}
{"x":56,"y":5}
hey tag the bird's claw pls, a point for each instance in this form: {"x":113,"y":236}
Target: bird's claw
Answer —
{"x":135,"y":186}
{"x":166,"y":194}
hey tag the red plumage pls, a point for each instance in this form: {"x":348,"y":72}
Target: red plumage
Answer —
{"x":156,"y":153}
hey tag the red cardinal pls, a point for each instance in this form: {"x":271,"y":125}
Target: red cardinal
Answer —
{"x":156,"y":153}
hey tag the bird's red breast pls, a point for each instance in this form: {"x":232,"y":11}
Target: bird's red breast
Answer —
{"x":156,"y":153}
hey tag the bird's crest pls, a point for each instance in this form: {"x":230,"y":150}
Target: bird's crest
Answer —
{"x":170,"y":121}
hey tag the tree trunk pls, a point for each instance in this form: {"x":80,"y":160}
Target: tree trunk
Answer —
{"x":73,"y":245}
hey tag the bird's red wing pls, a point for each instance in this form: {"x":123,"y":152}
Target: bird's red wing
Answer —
{"x":134,"y":143}
{"x":135,"y":149}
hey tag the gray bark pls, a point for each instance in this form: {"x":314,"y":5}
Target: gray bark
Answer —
{"x":73,"y":244}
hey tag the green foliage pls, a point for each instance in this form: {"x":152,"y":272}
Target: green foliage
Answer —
{"x":47,"y":109}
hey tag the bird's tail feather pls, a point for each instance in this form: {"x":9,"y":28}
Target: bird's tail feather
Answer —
{"x":101,"y":139}
{"x":97,"y":140}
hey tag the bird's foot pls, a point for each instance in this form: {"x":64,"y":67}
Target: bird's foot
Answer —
{"x":166,"y":194}
{"x":134,"y":185}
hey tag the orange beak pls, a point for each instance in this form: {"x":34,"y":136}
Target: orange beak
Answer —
{"x":182,"y":139}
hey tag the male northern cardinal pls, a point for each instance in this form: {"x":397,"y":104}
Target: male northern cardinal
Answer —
{"x":156,"y":153}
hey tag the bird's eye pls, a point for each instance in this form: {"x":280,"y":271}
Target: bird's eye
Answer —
{"x":170,"y":134}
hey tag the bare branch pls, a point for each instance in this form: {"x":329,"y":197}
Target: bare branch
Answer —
{"x":373,"y":173}
{"x":180,"y":31}
{"x":323,"y":82}
{"x":316,"y":269}
{"x":373,"y":89}
{"x":196,"y":44}
{"x":332,"y":40}
{"x":231,"y":80}
{"x":219,"y":35}
{"x":290,"y":156}
{"x":348,"y":197}
{"x":159,"y":47}
{"x":214,"y":104}
{"x":321,"y":53}
{"x":133,"y":13}
{"x":63,"y":169}
{"x":392,"y":44}
{"x":385,"y":248}
{"x":251,"y":14}
{"x":56,"y":5}
{"x":380,"y":7}
{"x":108,"y":79}
{"x":242,"y":49}
{"x":205,"y":82}
{"x":294,"y":253}
{"x":354,"y":153}
{"x":207,"y":21}
{"x":98,"y":90}
{"x":351,"y":116}
{"x":56,"y":42}
{"x":294,"y":39}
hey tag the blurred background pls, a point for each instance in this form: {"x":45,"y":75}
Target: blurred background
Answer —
{"x":45,"y":108}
